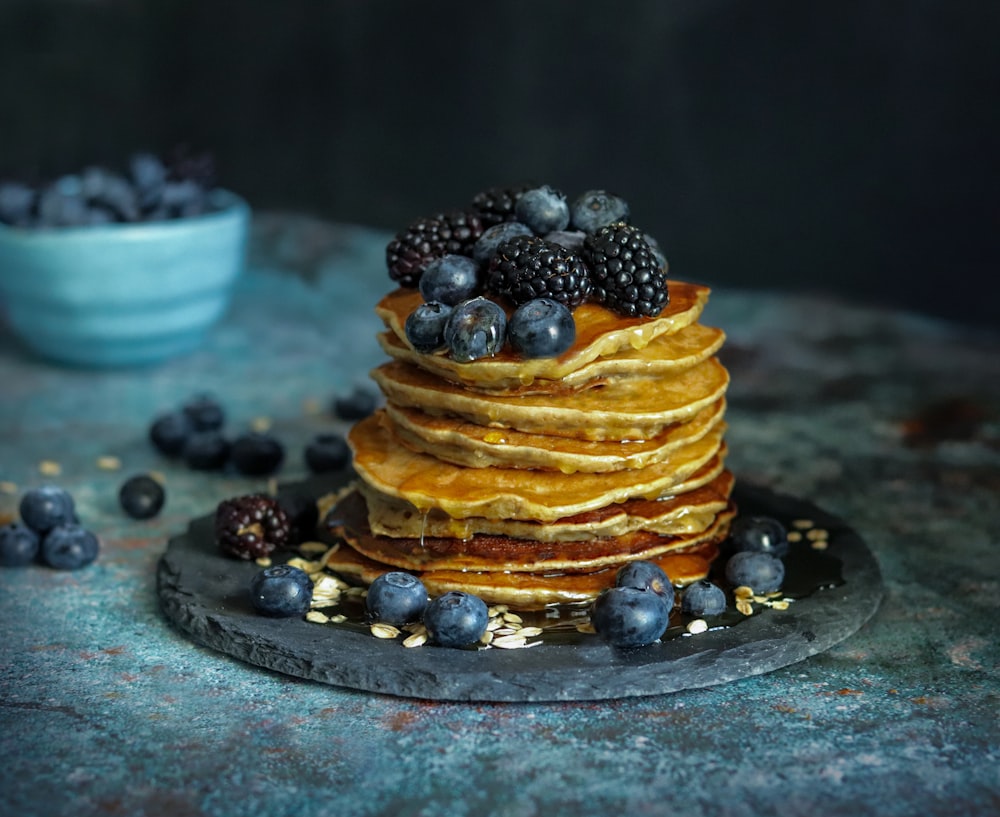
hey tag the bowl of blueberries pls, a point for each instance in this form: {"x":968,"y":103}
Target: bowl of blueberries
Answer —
{"x":120,"y":268}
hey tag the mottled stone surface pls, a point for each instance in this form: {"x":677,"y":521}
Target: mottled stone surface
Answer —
{"x":887,"y":420}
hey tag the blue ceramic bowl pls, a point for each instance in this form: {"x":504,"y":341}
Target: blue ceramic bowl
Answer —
{"x":123,"y":294}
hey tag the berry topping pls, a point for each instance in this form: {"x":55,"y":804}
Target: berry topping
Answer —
{"x":647,"y":576}
{"x":46,"y":507}
{"x":256,"y":454}
{"x":475,"y":329}
{"x":629,"y":616}
{"x":570,"y":239}
{"x":19,"y":545}
{"x":595,"y":209}
{"x":450,"y":279}
{"x":281,"y":591}
{"x":206,"y":451}
{"x":205,"y":413}
{"x":141,"y":496}
{"x":396,"y":598}
{"x":488,"y":243}
{"x":527,"y":268}
{"x":354,"y":406}
{"x":327,"y":452}
{"x":170,"y":432}
{"x":541,"y":328}
{"x":762,"y":572}
{"x":759,"y":533}
{"x":69,"y":547}
{"x":626,"y":276}
{"x":425,"y":239}
{"x":496,"y":204}
{"x":251,"y":527}
{"x":543,"y":209}
{"x":424,"y":326}
{"x":703,"y":599}
{"x":456,"y":619}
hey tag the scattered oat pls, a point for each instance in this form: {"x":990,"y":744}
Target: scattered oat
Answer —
{"x":49,"y":468}
{"x":699,"y":625}
{"x":261,"y":424}
{"x":109,"y":463}
{"x":794,"y":536}
{"x":272,"y":486}
{"x":415,"y":640}
{"x":802,"y":524}
{"x":497,"y":610}
{"x":486,"y":637}
{"x":311,"y":407}
{"x":380,"y":630}
{"x":263,"y":561}
{"x":7,"y":487}
{"x":339,"y":618}
{"x":530,"y":632}
{"x":509,"y":642}
{"x":313,"y":547}
{"x":159,"y":476}
{"x":305,"y":564}
{"x":780,"y":604}
{"x":512,"y":618}
{"x":819,"y":544}
{"x":318,"y":617}
{"x":494,"y":624}
{"x":744,"y":607}
{"x":585,"y":627}
{"x":743,"y":592}
{"x":360,"y":592}
{"x":502,"y":631}
{"x":816,"y":534}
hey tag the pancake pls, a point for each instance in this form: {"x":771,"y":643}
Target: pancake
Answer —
{"x":383,"y":462}
{"x":599,"y":333}
{"x":687,"y":512}
{"x":626,"y":409}
{"x":502,"y":553}
{"x":661,"y":357}
{"x":474,"y":446}
{"x":526,"y":591}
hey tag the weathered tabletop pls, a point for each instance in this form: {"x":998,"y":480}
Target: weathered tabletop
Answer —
{"x":887,"y":420}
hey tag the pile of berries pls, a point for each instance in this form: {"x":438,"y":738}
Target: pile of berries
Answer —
{"x":533,"y":250}
{"x":153,"y":188}
{"x":195,"y":434}
{"x":48,"y":531}
{"x":636,"y":612}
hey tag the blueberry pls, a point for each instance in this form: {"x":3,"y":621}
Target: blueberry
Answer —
{"x":355,"y":406}
{"x":69,"y":547}
{"x":456,"y":619}
{"x":303,"y":516}
{"x":486,"y":245}
{"x":568,"y":239}
{"x":169,"y":432}
{"x":327,"y":452}
{"x":183,"y":198}
{"x":19,"y":545}
{"x":256,"y":454}
{"x":57,"y":208}
{"x":476,"y":329}
{"x":149,"y":176}
{"x":424,"y":326}
{"x":654,"y":245}
{"x":760,"y":571}
{"x":206,"y":451}
{"x":45,"y":507}
{"x":629,"y":616}
{"x":141,"y":496}
{"x":541,"y":328}
{"x":703,"y":599}
{"x":450,"y":279}
{"x":543,"y":209}
{"x":16,"y":203}
{"x":281,"y":591}
{"x":597,"y":208}
{"x":759,"y":533}
{"x":205,"y":413}
{"x":647,"y":576}
{"x":396,"y":598}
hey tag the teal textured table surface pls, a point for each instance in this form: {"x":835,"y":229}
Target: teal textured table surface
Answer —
{"x":888,"y":420}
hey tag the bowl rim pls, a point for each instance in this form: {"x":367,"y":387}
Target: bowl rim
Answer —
{"x":226,"y":205}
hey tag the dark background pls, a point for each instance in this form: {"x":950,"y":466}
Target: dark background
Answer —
{"x":847,"y":147}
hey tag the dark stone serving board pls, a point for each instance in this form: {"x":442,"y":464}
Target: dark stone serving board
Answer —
{"x":205,"y":594}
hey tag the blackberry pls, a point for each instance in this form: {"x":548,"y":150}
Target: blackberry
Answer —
{"x":527,"y":268}
{"x":627,"y":278}
{"x":497,"y":204}
{"x":251,"y":526}
{"x":428,"y":238}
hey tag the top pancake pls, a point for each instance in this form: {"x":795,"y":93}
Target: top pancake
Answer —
{"x":600,"y":333}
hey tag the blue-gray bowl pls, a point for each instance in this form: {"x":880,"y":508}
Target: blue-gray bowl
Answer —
{"x":123,"y":294}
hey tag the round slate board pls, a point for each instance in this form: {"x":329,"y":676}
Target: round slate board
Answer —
{"x":205,"y":594}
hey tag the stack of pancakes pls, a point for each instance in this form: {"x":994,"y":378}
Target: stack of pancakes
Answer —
{"x":529,"y":482}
